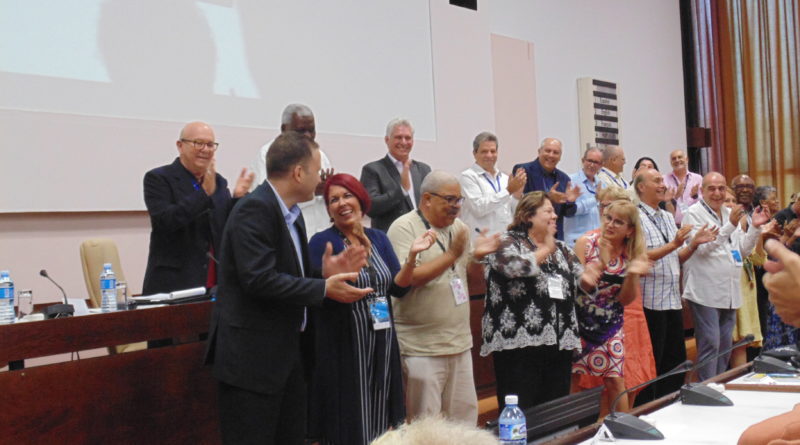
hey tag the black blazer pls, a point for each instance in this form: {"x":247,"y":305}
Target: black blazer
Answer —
{"x":382,"y":182}
{"x":254,"y":340}
{"x":185,"y":222}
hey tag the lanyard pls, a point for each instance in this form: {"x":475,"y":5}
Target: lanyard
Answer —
{"x":486,"y":176}
{"x":624,"y":184}
{"x":711,"y":212}
{"x":655,"y":223}
{"x":586,"y":186}
{"x":441,"y":246}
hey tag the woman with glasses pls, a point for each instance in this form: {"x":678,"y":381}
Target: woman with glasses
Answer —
{"x":529,"y":323}
{"x":357,"y":391}
{"x":620,"y":250}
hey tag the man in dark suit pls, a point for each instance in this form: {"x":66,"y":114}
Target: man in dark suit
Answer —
{"x":543,"y":175}
{"x":188,"y":203}
{"x":255,"y":339}
{"x":393,"y":182}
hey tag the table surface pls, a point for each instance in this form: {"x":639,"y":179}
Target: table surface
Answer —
{"x":691,"y":424}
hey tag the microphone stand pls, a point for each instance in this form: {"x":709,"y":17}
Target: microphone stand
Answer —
{"x":57,"y":310}
{"x":626,"y":426}
{"x":701,"y":394}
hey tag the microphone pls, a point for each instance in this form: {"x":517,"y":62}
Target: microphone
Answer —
{"x":57,"y":310}
{"x":626,"y":426}
{"x":700,"y":394}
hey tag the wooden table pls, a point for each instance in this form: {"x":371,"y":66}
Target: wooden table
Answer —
{"x":163,"y":395}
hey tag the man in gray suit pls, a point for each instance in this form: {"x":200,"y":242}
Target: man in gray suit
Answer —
{"x":394,"y":182}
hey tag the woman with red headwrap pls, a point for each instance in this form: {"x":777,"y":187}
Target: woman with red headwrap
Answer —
{"x":357,"y":390}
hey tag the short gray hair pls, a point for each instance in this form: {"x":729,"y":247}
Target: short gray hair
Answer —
{"x":436,"y":180}
{"x":591,"y":148}
{"x":483,"y":137}
{"x":398,"y":122}
{"x":610,"y":152}
{"x":762,"y":192}
{"x":295,"y":109}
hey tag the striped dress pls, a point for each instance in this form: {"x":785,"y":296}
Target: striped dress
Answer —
{"x":356,"y":392}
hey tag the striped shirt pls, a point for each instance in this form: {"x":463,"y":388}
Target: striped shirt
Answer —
{"x":661,"y":286}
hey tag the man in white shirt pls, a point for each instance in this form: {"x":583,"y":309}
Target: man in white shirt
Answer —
{"x":613,"y":163}
{"x":712,"y":276}
{"x":300,"y":119}
{"x":586,"y":216}
{"x":490,"y":196}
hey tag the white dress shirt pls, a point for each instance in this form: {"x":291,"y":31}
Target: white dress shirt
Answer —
{"x":410,"y":192}
{"x":487,"y":203}
{"x":711,"y":277}
{"x":315,"y":213}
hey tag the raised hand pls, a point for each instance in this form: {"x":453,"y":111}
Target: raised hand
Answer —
{"x":782,"y":281}
{"x":545,"y":249}
{"x":573,"y":192}
{"x":556,"y":196}
{"x":324,"y":174}
{"x":771,"y":230}
{"x":405,"y":175}
{"x":337,"y":288}
{"x":682,"y":235}
{"x":485,"y":244}
{"x":695,"y":189}
{"x":639,"y":265}
{"x":591,"y":274}
{"x":210,"y":178}
{"x":243,"y":183}
{"x":736,"y":214}
{"x":424,"y":242}
{"x":459,"y":243}
{"x":517,"y":182}
{"x":760,"y":216}
{"x":704,"y":235}
{"x":682,"y":187}
{"x":349,"y":260}
{"x":671,"y":193}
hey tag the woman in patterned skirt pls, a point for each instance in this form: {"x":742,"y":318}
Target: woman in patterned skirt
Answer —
{"x":620,"y":250}
{"x":357,"y":391}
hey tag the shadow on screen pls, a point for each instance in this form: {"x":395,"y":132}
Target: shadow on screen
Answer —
{"x":560,"y":416}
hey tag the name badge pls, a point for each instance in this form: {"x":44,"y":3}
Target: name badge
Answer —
{"x":737,"y":257}
{"x":459,"y":292}
{"x":554,"y":287}
{"x":379,"y":311}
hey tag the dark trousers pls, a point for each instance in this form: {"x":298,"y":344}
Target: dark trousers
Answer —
{"x":248,"y":417}
{"x":669,"y":351}
{"x":536,"y":374}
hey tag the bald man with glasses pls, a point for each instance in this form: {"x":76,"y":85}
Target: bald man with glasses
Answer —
{"x":188,"y":203}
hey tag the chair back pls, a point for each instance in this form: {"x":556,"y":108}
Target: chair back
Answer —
{"x":94,"y":253}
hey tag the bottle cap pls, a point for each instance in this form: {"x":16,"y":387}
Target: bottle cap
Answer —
{"x":106,"y":265}
{"x":511,"y":399}
{"x":4,"y":273}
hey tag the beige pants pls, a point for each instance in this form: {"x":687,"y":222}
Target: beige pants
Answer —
{"x":441,"y":384}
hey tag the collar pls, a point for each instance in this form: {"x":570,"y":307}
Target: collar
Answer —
{"x":395,"y":161}
{"x":648,"y":209}
{"x":583,"y":178}
{"x":538,"y":165}
{"x":289,"y":215}
{"x":481,"y":171}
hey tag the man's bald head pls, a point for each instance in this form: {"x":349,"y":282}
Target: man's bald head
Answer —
{"x":614,"y":158}
{"x":714,"y":189}
{"x":744,"y":188}
{"x":196,"y":147}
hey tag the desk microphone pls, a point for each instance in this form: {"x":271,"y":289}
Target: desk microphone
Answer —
{"x":57,"y":310}
{"x":626,"y":426}
{"x":700,"y":394}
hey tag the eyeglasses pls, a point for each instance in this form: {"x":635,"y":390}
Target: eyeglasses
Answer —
{"x":451,"y":200}
{"x":592,"y":161}
{"x":616,"y":222}
{"x":200,"y":144}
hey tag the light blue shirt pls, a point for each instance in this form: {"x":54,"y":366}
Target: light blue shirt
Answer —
{"x":586,"y":216}
{"x":290,"y":216}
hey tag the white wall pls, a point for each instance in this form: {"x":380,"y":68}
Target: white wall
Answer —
{"x":636,"y":43}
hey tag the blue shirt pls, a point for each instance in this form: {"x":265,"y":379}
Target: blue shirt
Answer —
{"x":290,"y":216}
{"x":586,"y":216}
{"x":538,"y":180}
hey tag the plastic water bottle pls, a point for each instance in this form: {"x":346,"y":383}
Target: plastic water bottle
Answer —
{"x":6,"y":298}
{"x":108,"y":289}
{"x":512,"y":423}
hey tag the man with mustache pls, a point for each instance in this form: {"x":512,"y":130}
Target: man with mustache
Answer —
{"x":432,"y":319}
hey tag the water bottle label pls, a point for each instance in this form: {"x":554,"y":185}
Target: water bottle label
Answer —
{"x":6,"y":292}
{"x":108,"y":284}
{"x":515,"y":431}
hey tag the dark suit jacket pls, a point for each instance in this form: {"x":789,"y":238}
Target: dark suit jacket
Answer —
{"x":382,"y":182}
{"x":254,"y":340}
{"x":538,"y":180}
{"x":185,"y":223}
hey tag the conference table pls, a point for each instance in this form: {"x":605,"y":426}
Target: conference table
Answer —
{"x":692,"y":424}
{"x":161,"y":395}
